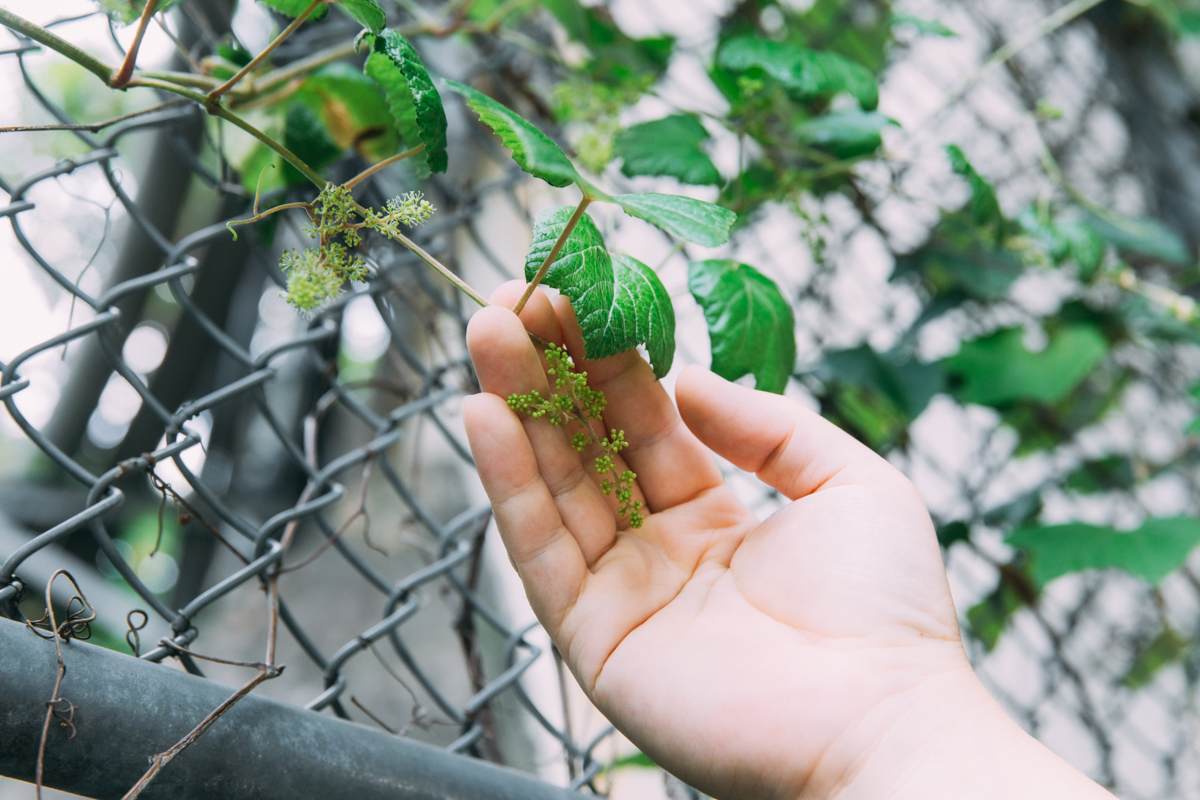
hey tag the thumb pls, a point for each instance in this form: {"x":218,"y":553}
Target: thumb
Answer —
{"x":788,"y":446}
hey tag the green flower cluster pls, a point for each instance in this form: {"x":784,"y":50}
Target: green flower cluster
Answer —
{"x":572,"y":400}
{"x":410,"y":208}
{"x":315,"y":275}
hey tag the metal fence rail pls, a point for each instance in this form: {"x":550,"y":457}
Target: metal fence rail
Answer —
{"x":127,"y":707}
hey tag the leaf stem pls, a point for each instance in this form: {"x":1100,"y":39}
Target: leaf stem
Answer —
{"x":553,"y":254}
{"x":56,"y":43}
{"x":215,"y":95}
{"x":278,"y":77}
{"x":369,"y":171}
{"x":126,"y":72}
{"x":226,"y":114}
{"x":458,"y":282}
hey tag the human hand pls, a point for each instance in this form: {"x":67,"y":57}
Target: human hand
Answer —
{"x":813,"y":654}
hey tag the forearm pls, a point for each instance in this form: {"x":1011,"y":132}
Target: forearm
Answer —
{"x":957,"y":742}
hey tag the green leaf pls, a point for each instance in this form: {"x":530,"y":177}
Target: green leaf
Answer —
{"x":613,"y":57}
{"x":983,"y":204}
{"x":1167,"y":648}
{"x":1145,"y":237}
{"x":415,"y":104}
{"x":847,"y":134}
{"x":353,"y":108}
{"x":694,"y":220}
{"x":908,"y":383}
{"x":533,"y":150}
{"x":669,"y":146}
{"x":809,"y":74}
{"x":929,"y":27}
{"x":990,"y":616}
{"x":1101,"y":475}
{"x":952,"y":532}
{"x":641,"y":313}
{"x":1086,"y":246}
{"x":960,"y":258}
{"x":997,"y":369}
{"x":1151,"y":552}
{"x":750,"y":323}
{"x":366,"y":13}
{"x":305,"y":135}
{"x":619,"y":301}
{"x":583,"y":270}
{"x":294,"y":8}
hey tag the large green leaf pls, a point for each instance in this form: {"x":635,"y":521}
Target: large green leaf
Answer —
{"x":353,"y":108}
{"x":750,"y":323}
{"x":613,"y":57}
{"x":983,"y":203}
{"x":641,"y":313}
{"x":846,"y":134}
{"x":414,"y":102}
{"x":1151,"y":552}
{"x":958,"y":260}
{"x":533,"y":150}
{"x":366,"y":13}
{"x":694,"y":220}
{"x":294,"y":8}
{"x":810,"y":74}
{"x":583,"y":271}
{"x":668,"y":146}
{"x":1068,"y":240}
{"x":619,"y":301}
{"x":997,"y":369}
{"x":1146,"y":237}
{"x":908,"y":383}
{"x":305,"y":135}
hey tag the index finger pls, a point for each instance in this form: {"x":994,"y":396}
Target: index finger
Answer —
{"x":672,"y":465}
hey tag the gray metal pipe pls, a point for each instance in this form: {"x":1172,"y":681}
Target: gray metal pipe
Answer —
{"x":127,"y":710}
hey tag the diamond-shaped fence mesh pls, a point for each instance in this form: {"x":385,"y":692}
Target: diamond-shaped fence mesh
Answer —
{"x":252,"y":446}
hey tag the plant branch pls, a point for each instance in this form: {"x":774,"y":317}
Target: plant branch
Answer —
{"x":56,"y":43}
{"x":215,"y":95}
{"x":181,"y":78}
{"x":278,"y":77}
{"x":553,"y":254}
{"x":226,"y":114}
{"x":157,"y":762}
{"x":94,"y":127}
{"x":368,"y":172}
{"x":462,"y":285}
{"x":126,"y":72}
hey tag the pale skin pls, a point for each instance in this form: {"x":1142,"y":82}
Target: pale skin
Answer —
{"x":815,"y":654}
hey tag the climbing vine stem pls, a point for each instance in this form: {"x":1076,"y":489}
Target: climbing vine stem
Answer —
{"x":553,"y":254}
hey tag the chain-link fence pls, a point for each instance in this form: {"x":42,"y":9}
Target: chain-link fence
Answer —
{"x":257,"y":442}
{"x":275,"y":445}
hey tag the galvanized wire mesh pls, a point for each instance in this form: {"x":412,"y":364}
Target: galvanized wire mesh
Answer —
{"x":338,"y":430}
{"x":295,"y":437}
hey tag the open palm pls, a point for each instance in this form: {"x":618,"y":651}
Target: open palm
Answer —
{"x":749,"y":657}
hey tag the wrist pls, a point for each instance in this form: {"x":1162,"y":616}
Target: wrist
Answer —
{"x":950,"y":739}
